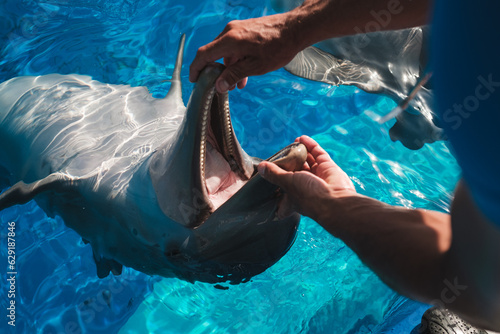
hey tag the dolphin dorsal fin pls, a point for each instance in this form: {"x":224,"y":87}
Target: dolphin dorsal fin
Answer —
{"x":175,"y":91}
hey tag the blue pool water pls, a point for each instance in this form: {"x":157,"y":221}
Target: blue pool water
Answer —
{"x":320,"y":286}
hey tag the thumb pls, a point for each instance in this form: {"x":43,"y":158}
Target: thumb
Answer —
{"x":274,"y":174}
{"x":233,"y":74}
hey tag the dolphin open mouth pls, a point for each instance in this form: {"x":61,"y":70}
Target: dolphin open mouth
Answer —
{"x":207,"y":166}
{"x":224,"y":167}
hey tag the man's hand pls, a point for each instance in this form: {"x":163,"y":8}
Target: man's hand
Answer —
{"x":311,"y":190}
{"x":250,"y":47}
{"x":261,"y":45}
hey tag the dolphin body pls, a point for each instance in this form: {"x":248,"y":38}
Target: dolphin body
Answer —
{"x":149,"y":183}
{"x":391,"y":63}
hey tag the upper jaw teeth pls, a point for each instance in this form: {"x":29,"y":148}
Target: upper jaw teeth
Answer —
{"x":204,"y":128}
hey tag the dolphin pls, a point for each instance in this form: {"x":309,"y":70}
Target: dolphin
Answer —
{"x":390,"y":63}
{"x":149,"y":183}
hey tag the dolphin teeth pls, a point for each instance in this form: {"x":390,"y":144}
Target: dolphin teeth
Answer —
{"x":204,"y":126}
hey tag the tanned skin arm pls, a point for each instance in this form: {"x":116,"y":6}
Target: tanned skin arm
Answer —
{"x":260,"y":45}
{"x":413,"y":251}
{"x":315,"y":20}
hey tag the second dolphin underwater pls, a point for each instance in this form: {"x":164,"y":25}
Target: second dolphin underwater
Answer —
{"x":149,"y":183}
{"x":390,"y":63}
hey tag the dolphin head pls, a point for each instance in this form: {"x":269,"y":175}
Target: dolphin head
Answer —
{"x":206,"y":182}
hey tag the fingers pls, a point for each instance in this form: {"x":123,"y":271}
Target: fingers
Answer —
{"x":207,"y":54}
{"x":274,"y":174}
{"x":310,"y":160}
{"x":317,"y":152}
{"x":228,"y":61}
{"x":306,"y":167}
{"x":312,"y":146}
{"x":242,"y":83}
{"x":223,"y":46}
{"x":234,"y":74}
{"x":322,"y":165}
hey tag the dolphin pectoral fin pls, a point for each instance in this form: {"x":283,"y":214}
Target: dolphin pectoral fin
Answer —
{"x":105,"y":266}
{"x":315,"y":64}
{"x":21,"y":193}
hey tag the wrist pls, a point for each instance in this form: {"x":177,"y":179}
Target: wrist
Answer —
{"x":334,"y":207}
{"x":312,"y":22}
{"x":303,"y":24}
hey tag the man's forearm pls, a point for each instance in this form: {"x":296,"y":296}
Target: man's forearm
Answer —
{"x":317,"y":20}
{"x":416,"y":253}
{"x":405,"y":248}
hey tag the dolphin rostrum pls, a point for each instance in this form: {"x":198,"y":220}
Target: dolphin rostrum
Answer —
{"x":149,"y":183}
